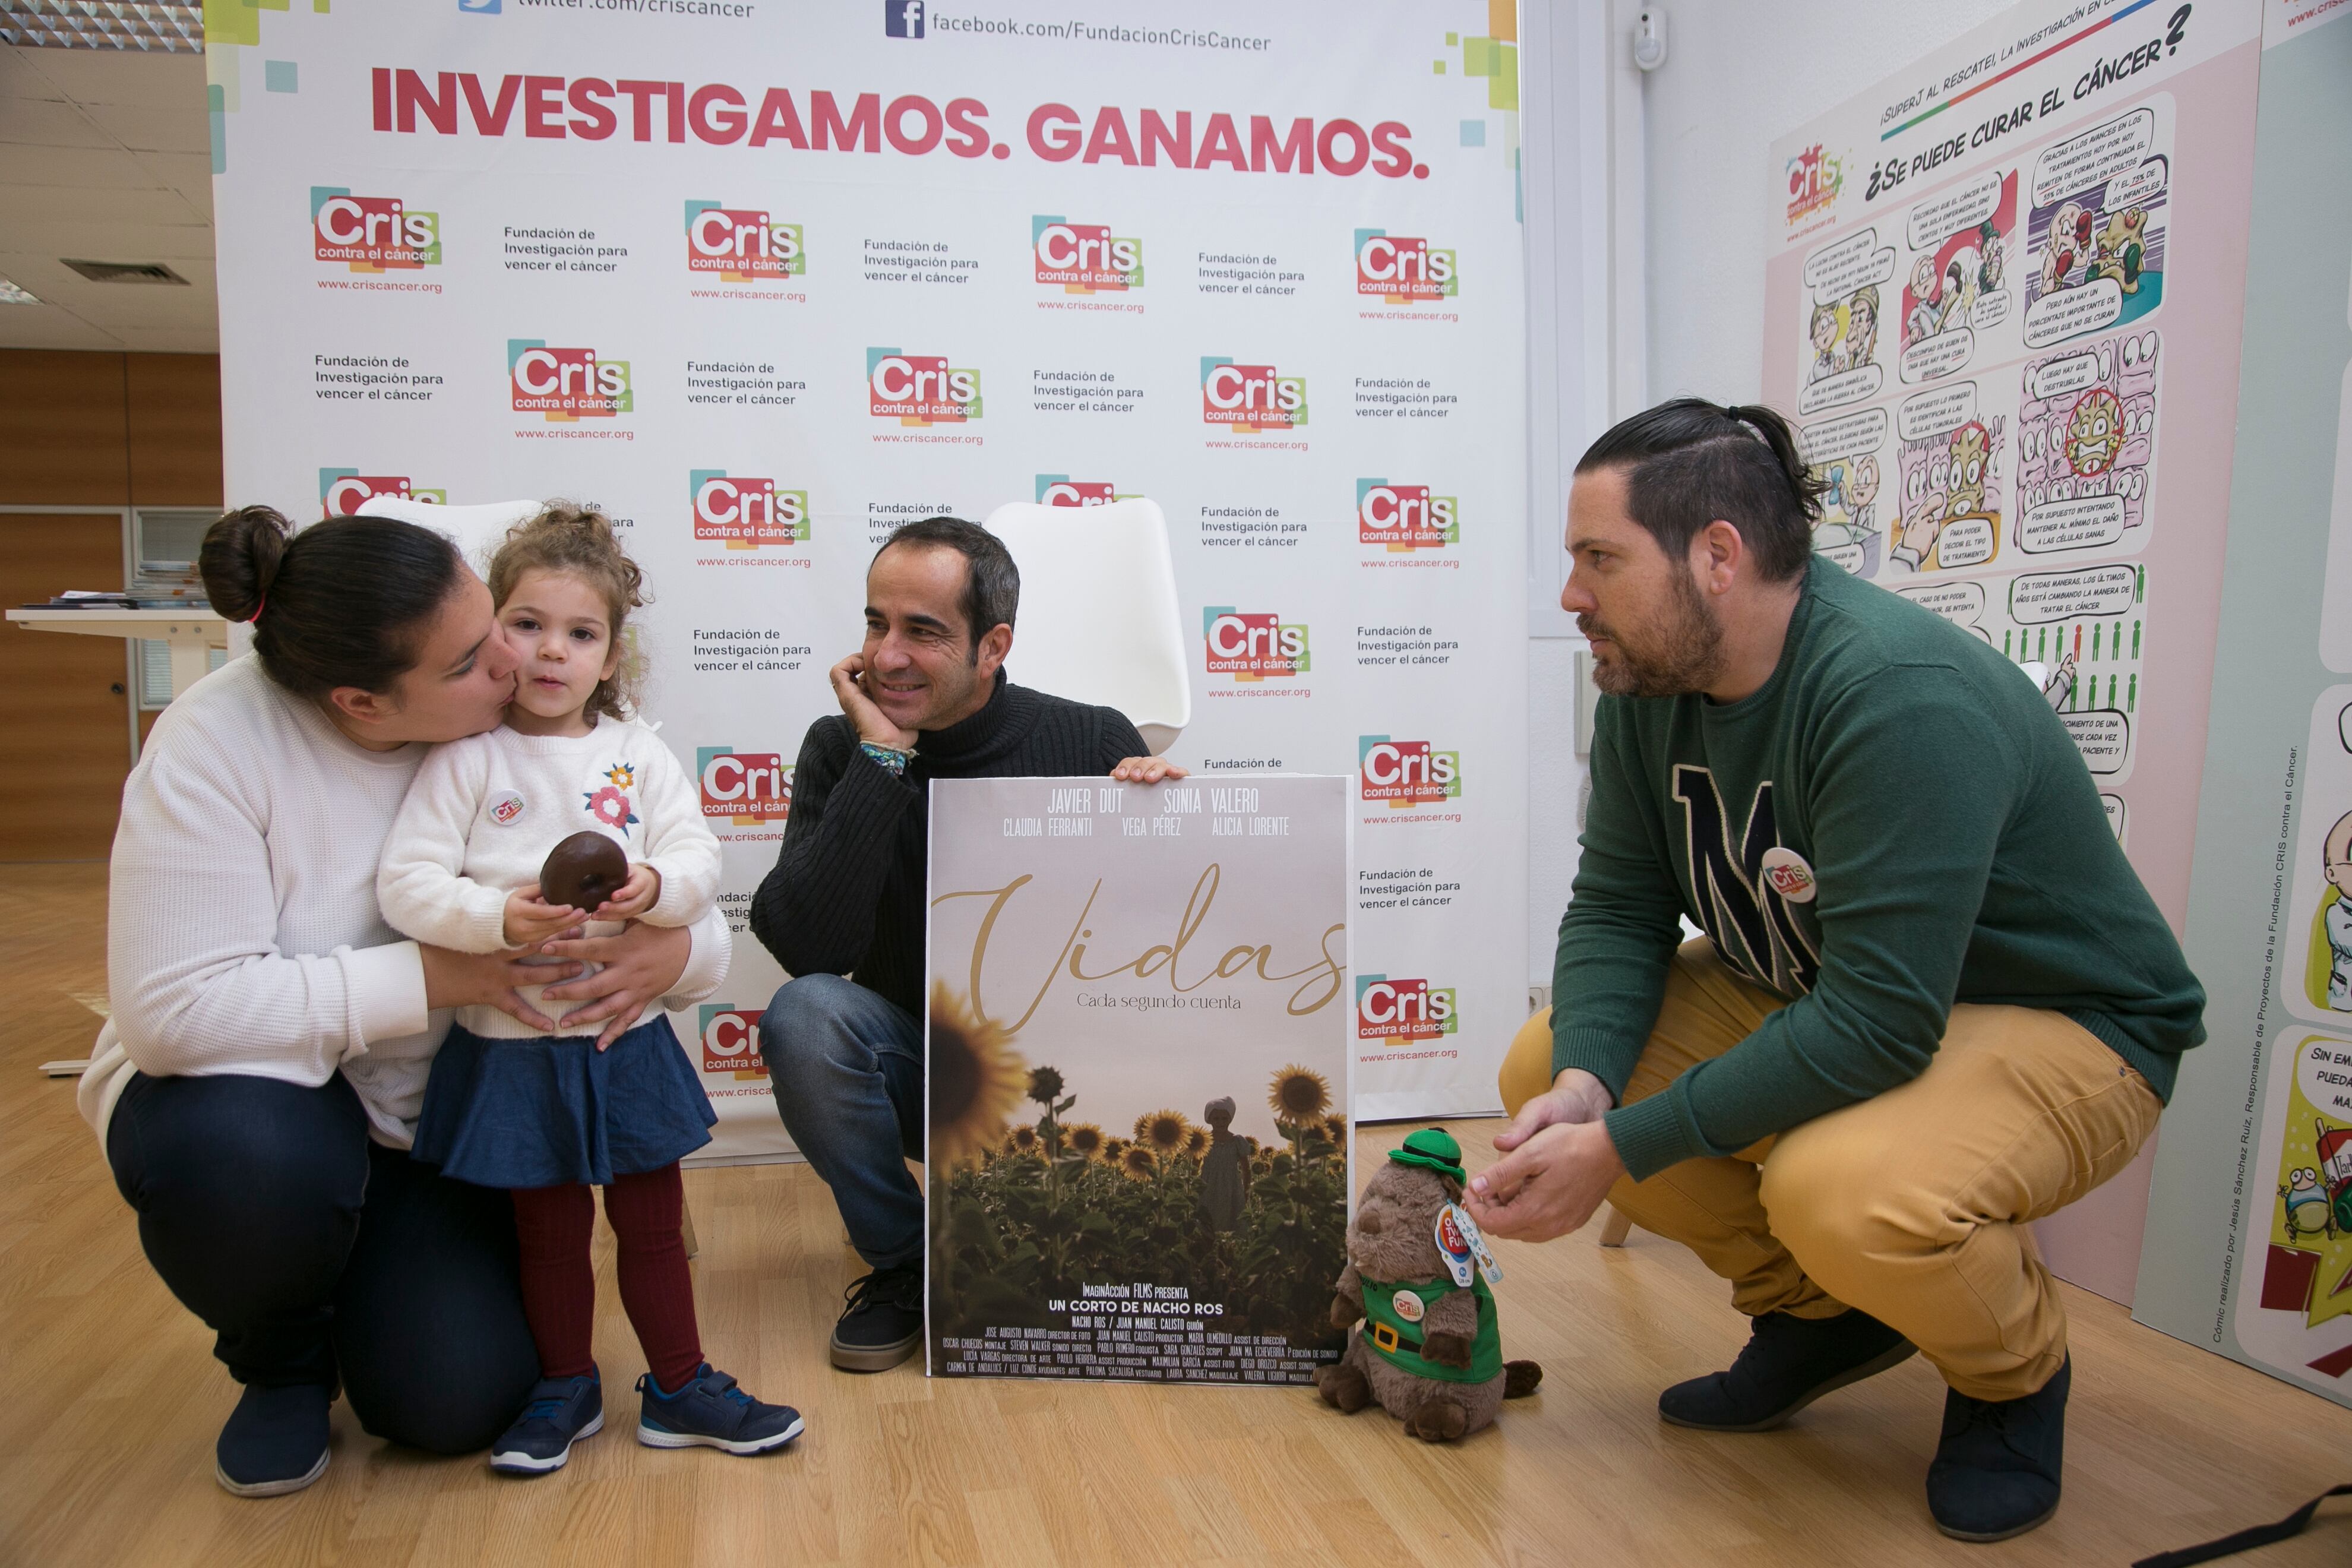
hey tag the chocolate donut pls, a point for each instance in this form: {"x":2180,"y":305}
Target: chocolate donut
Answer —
{"x":583,"y":871}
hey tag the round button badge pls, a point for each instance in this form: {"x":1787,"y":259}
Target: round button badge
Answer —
{"x":1789,"y":876}
{"x":1407,"y":1306}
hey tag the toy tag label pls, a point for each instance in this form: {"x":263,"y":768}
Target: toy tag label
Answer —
{"x":1478,"y":1249}
{"x":1453,"y":1231}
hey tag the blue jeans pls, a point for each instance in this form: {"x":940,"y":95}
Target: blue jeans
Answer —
{"x":846,"y":1070}
{"x":315,"y":1253}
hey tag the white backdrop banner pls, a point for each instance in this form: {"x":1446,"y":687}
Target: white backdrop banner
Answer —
{"x":765,"y":281}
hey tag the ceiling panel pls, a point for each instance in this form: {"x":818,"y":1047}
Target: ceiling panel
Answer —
{"x":44,"y":122}
{"x":105,"y":155}
{"x":163,"y":127}
{"x":92,"y":168}
{"x":120,"y":75}
{"x":22,"y":207}
{"x":50,"y":327}
{"x":99,"y":241}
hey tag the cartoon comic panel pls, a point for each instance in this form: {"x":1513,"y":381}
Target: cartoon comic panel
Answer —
{"x":2078,"y":635}
{"x":2095,"y":229}
{"x":1957,"y":293}
{"x":2315,"y":958}
{"x":1848,"y":453}
{"x":1952,"y":462}
{"x":2295,"y":1313}
{"x":2086,"y":445}
{"x":1843,"y":303}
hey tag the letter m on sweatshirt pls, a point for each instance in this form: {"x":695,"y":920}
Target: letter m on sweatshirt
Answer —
{"x":1751,"y":925}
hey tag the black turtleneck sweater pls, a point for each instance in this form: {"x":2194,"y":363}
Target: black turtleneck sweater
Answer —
{"x":845,"y":896}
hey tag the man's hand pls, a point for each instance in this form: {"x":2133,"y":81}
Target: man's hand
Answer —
{"x":871,"y":724}
{"x":640,"y":964}
{"x":1574,"y":1096}
{"x":455,"y":979}
{"x":1147,"y":770}
{"x":1550,"y":1185}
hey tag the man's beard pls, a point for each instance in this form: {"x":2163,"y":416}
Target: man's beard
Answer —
{"x":1680,"y":652}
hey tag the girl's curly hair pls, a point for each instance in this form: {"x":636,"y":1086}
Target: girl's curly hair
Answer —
{"x":580,"y":541}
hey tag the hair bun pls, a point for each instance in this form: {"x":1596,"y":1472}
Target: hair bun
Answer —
{"x":240,"y":558}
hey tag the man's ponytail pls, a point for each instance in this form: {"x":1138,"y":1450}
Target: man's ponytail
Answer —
{"x":1777,"y":435}
{"x":1688,"y":462}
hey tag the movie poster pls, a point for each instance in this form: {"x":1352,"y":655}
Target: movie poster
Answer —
{"x":1139,"y":1046}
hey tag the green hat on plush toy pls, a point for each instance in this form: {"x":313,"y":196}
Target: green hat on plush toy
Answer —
{"x":1435,"y":1148}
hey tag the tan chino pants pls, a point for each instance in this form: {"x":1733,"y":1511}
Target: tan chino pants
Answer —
{"x":1912,"y":1205}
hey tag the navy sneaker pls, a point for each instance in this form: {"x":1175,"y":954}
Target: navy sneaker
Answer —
{"x":275,"y":1442}
{"x":711,"y":1412}
{"x":559,"y":1413}
{"x":1786,"y":1364}
{"x":1996,"y":1471}
{"x":882,"y":1324}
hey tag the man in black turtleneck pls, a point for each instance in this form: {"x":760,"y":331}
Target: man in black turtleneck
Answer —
{"x":925,"y":698}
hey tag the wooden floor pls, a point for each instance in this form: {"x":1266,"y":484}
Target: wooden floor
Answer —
{"x":112,"y":1399}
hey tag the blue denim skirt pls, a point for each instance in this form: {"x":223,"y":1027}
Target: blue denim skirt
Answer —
{"x":541,"y":1112}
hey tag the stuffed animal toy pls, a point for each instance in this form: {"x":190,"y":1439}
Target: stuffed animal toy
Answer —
{"x":1417,"y":1275}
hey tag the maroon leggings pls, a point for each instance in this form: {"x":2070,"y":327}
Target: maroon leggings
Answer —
{"x":559,"y":1286}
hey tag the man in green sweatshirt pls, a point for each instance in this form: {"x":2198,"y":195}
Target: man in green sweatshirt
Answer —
{"x":1933,"y":1002}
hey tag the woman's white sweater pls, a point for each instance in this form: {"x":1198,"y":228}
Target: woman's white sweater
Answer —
{"x":243,"y":933}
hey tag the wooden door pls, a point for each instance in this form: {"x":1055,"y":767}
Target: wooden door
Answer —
{"x":63,"y":704}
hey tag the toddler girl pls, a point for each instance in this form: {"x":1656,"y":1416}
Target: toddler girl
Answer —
{"x":550,"y":1114}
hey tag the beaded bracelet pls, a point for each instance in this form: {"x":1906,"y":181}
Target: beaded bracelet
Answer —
{"x":889,"y":757}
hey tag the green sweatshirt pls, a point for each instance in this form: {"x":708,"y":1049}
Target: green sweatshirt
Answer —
{"x":1961,"y":852}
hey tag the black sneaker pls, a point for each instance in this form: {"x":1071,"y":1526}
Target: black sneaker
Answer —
{"x":882,"y":1324}
{"x":1786,"y":1364}
{"x":274,"y":1441}
{"x":711,"y":1412}
{"x":559,"y":1413}
{"x":1995,"y":1474}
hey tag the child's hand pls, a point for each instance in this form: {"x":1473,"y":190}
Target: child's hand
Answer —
{"x":531,"y":918}
{"x":635,"y":896}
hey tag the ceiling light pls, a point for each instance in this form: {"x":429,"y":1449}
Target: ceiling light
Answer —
{"x":12,"y":295}
{"x":125,"y":271}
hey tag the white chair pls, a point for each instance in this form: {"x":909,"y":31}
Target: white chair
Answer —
{"x":478,"y":530}
{"x":1099,"y":622}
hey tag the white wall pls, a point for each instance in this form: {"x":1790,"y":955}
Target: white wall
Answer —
{"x":1739,"y":74}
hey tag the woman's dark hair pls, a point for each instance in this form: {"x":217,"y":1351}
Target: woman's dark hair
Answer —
{"x":343,"y":603}
{"x":991,"y":583}
{"x":1689,"y":461}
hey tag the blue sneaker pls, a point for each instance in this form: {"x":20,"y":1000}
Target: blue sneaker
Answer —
{"x":560,"y":1412}
{"x":711,"y":1412}
{"x":275,"y":1442}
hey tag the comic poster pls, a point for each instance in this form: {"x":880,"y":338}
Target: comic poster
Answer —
{"x":2249,"y":1240}
{"x":1138,"y":1041}
{"x":2077,"y":633}
{"x":2298,"y":1309}
{"x":2003,"y":302}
